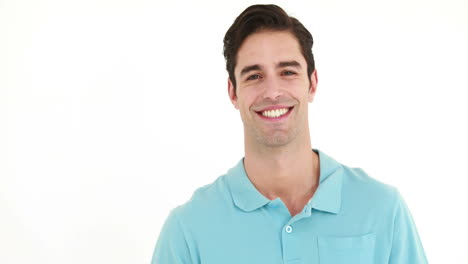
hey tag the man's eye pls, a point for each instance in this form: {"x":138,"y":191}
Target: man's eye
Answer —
{"x":253,"y":77}
{"x":288,"y":73}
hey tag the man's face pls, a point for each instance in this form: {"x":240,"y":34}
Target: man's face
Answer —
{"x":273,"y":89}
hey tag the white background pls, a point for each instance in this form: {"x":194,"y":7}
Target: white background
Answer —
{"x":113,"y":112}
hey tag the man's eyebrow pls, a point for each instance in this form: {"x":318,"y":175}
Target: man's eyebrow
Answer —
{"x":292,"y":63}
{"x":249,"y":68}
{"x":282,"y":64}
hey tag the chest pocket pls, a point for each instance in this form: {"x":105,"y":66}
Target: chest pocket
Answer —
{"x":349,"y":250}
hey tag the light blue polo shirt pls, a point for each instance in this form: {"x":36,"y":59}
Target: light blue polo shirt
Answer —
{"x":352,"y":218}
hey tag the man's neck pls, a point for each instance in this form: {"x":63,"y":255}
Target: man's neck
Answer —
{"x":290,"y":172}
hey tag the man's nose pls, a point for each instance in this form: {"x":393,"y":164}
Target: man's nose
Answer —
{"x":272,"y":88}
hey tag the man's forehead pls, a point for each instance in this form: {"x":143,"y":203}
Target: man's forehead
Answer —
{"x":269,"y":49}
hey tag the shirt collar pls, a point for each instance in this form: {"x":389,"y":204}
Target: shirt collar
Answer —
{"x":327,"y":197}
{"x":243,"y":192}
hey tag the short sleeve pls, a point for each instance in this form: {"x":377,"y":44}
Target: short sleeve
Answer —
{"x":406,"y":244}
{"x":171,"y":246}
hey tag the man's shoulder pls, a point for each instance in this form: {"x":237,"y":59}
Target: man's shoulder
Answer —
{"x":357,"y":182}
{"x":210,"y":196}
{"x":358,"y":176}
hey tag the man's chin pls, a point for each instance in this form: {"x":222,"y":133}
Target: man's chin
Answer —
{"x":275,"y":141}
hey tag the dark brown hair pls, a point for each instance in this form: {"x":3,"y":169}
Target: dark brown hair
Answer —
{"x":257,"y":18}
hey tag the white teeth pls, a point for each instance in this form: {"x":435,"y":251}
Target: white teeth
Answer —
{"x":275,"y":113}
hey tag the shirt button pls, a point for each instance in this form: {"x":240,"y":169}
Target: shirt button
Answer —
{"x":288,"y":229}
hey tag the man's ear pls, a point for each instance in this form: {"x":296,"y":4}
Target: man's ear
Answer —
{"x":313,"y":85}
{"x":232,"y":94}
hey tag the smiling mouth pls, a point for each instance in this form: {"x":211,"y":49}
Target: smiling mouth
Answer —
{"x":276,"y":113}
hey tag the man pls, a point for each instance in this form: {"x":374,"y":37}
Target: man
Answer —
{"x":284,"y":202}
